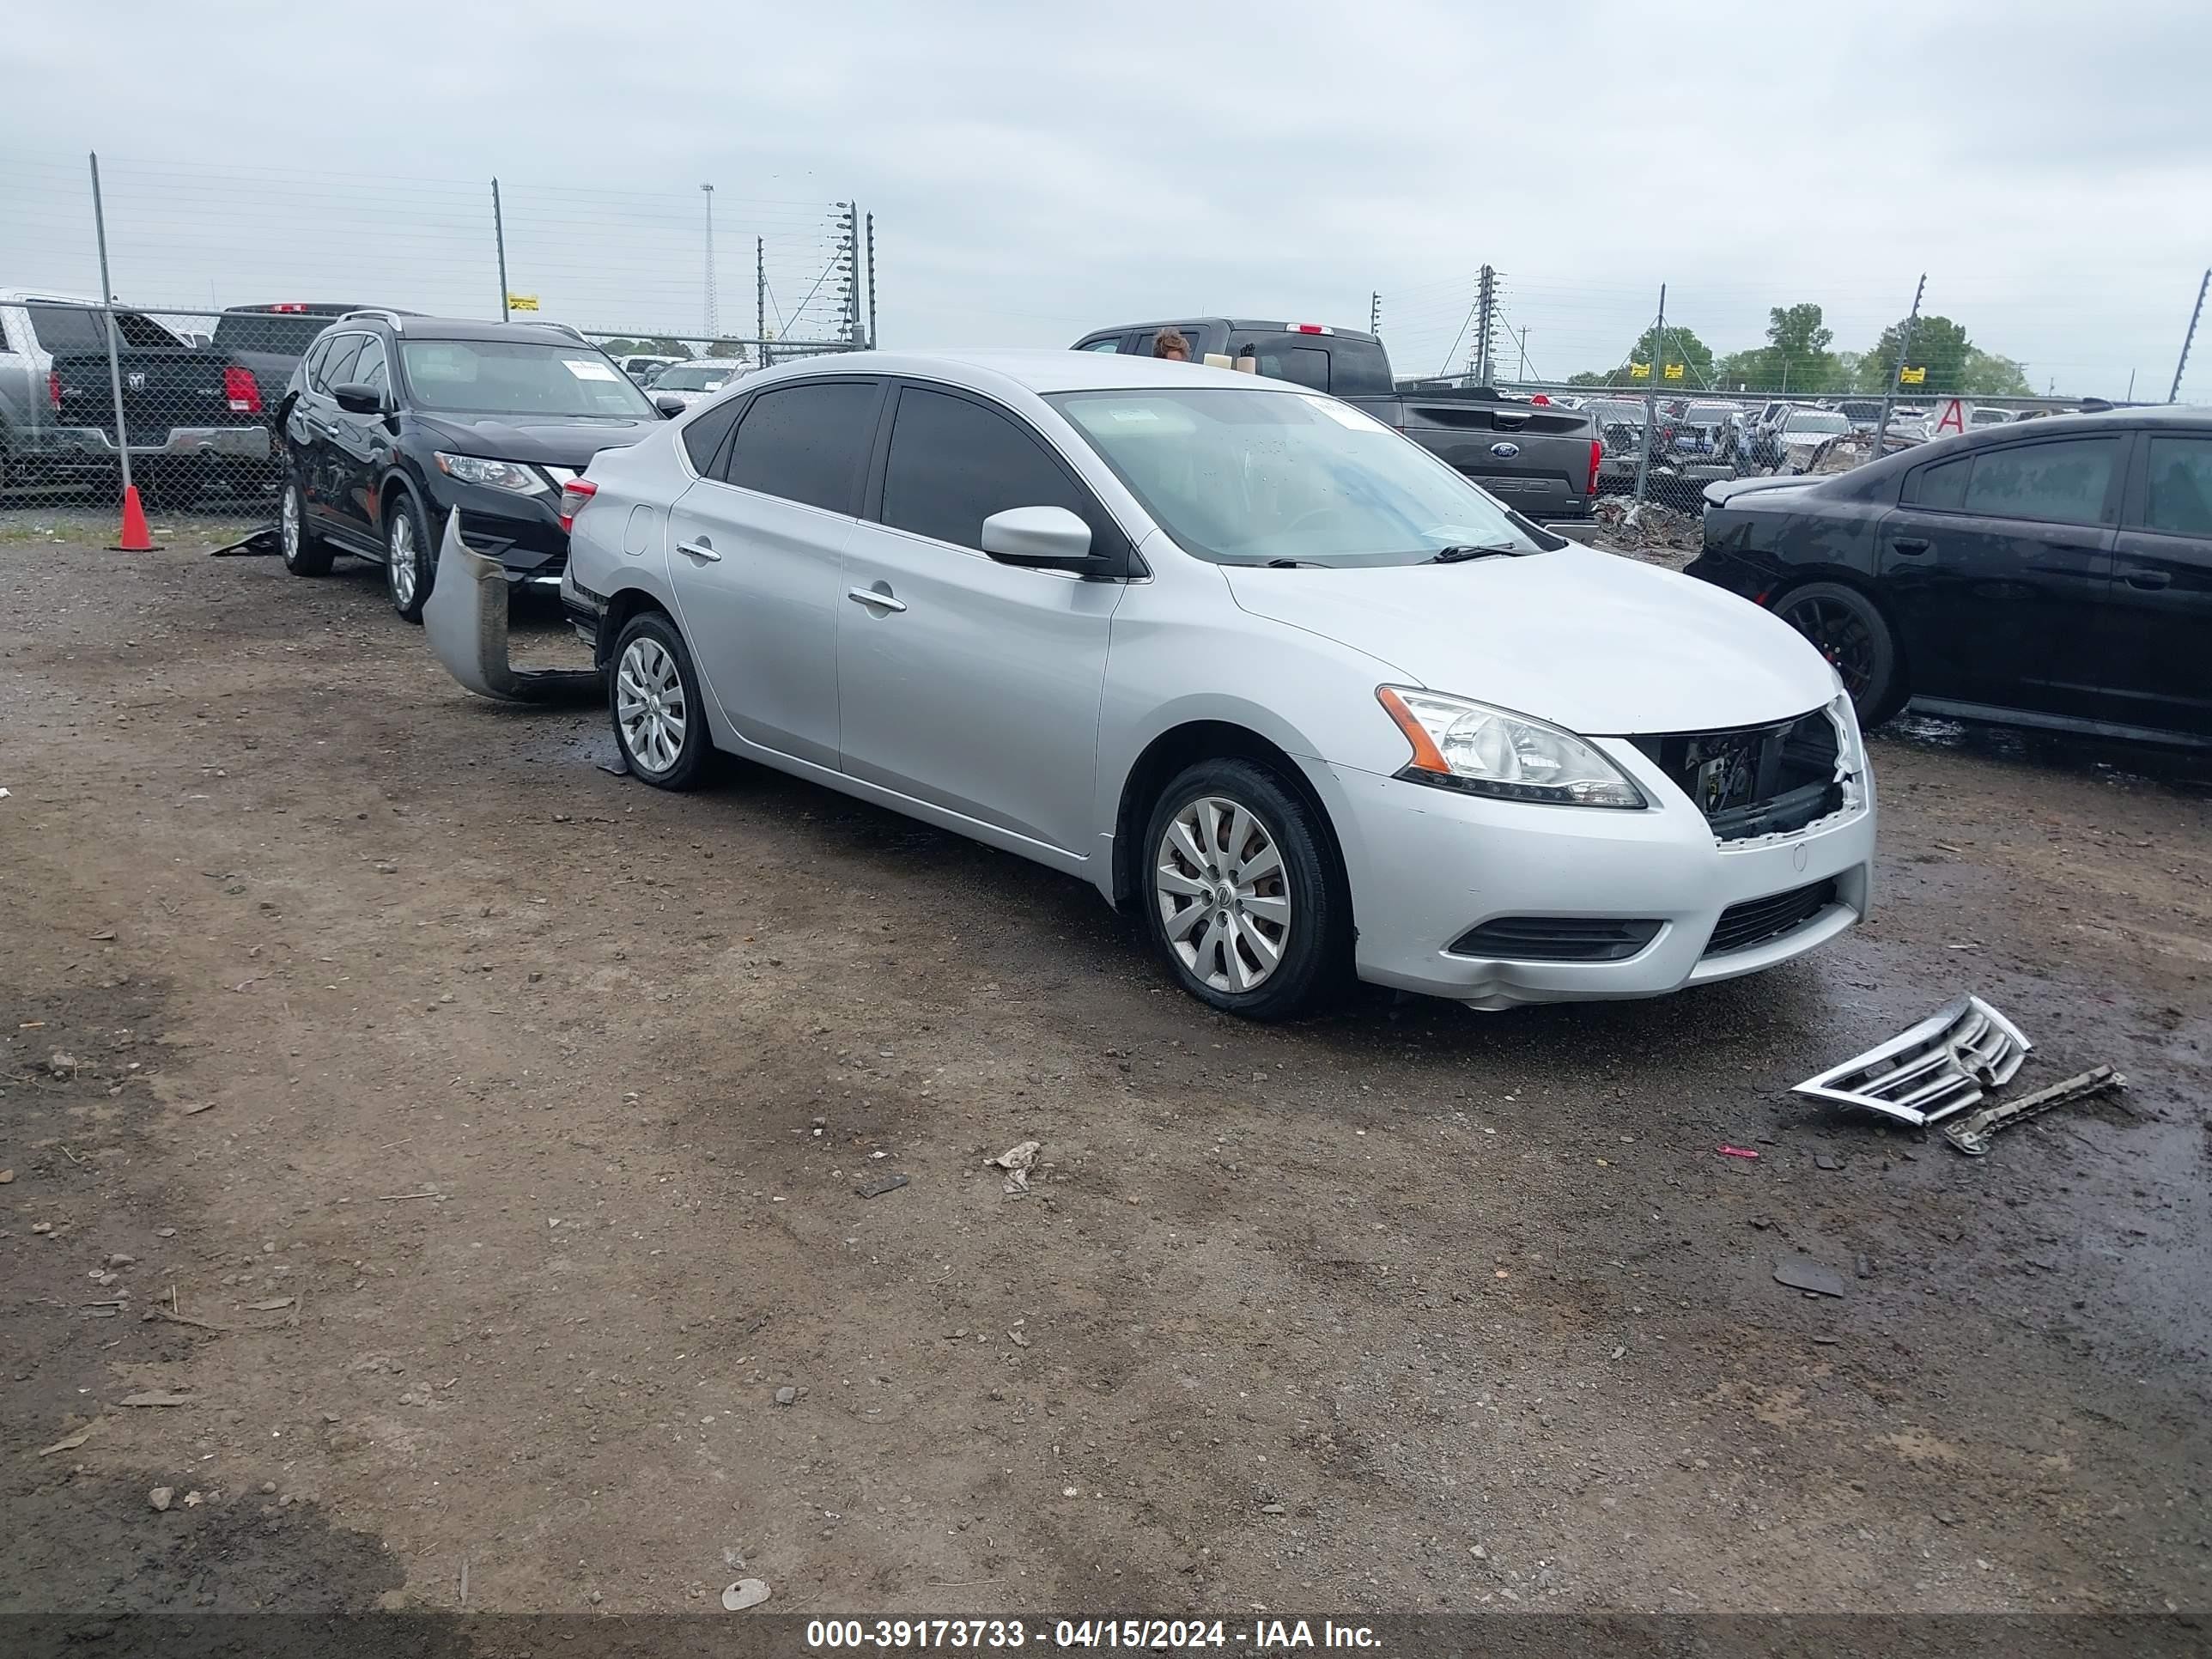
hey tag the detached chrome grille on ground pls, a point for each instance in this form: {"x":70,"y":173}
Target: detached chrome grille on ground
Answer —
{"x":1755,"y":781}
{"x":1940,"y":1066}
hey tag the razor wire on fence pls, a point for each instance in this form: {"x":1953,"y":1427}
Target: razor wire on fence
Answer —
{"x":185,"y":400}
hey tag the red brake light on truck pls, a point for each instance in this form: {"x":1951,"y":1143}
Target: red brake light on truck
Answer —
{"x":288,"y":305}
{"x":1306,"y":328}
{"x":242,"y":391}
{"x":573,"y":494}
{"x":1597,"y":454}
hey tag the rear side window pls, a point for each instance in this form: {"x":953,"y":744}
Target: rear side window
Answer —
{"x":1304,"y":365}
{"x":1944,"y":487}
{"x":2180,"y":502}
{"x":2064,"y":482}
{"x":1111,"y":343}
{"x":805,"y":443}
{"x":954,"y":463}
{"x":703,"y":438}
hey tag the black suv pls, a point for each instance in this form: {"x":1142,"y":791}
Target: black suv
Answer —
{"x":391,"y":421}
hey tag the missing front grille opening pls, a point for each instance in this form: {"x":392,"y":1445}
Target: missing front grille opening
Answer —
{"x":1756,"y":781}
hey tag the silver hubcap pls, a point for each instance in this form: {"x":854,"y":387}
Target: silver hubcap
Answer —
{"x":399,"y":566}
{"x":288,"y":523}
{"x":1218,"y":878}
{"x":649,"y":705}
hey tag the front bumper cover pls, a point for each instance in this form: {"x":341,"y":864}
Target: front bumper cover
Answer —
{"x":465,"y":620}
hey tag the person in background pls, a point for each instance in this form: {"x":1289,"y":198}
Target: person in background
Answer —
{"x":1172,"y":346}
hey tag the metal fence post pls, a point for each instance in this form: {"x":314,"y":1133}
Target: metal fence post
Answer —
{"x":872,"y":282}
{"x":107,"y":311}
{"x":499,"y":236}
{"x":1903,"y":349}
{"x":2187,"y":340}
{"x":1650,"y":396}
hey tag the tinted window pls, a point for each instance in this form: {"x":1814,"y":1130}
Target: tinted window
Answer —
{"x":2180,"y":486}
{"x":1302,"y":365}
{"x":1360,"y":368}
{"x":368,"y":367}
{"x":1111,"y":343}
{"x":286,"y":333}
{"x":4,"y":345}
{"x":703,"y":438}
{"x":1193,"y":334}
{"x":1944,"y":487}
{"x":338,"y":367}
{"x":77,"y":328}
{"x":2058,"y":483}
{"x":805,"y":443}
{"x":954,"y":463}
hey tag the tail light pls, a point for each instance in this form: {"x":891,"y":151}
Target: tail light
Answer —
{"x":242,"y":391}
{"x":54,"y":390}
{"x":1597,"y":454}
{"x":573,"y":494}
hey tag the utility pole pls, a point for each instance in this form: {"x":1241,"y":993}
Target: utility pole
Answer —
{"x":1375,"y":314}
{"x":2189,"y":338}
{"x":499,"y":236}
{"x":1904,"y":350}
{"x":1650,"y":396}
{"x":1525,"y":356}
{"x":713,"y":327}
{"x":114,"y":362}
{"x":1485,"y":305}
{"x":872,"y":282}
{"x":760,"y":294}
{"x":848,"y":264}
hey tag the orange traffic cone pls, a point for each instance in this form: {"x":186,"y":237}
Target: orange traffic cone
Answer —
{"x":135,"y":537}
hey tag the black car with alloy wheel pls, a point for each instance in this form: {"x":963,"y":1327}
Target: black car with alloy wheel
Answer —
{"x":2057,"y":574}
{"x":392,"y":421}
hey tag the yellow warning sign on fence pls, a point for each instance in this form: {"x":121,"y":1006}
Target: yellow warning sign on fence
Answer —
{"x":1912,"y":376}
{"x":1639,"y":371}
{"x":1674,"y":371}
{"x":522,"y":302}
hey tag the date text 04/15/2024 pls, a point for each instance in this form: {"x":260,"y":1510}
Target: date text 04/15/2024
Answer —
{"x":1144,"y":1635}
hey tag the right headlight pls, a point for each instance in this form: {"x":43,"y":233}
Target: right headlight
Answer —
{"x":1459,"y":743}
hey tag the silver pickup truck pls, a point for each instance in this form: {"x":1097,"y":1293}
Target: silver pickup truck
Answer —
{"x":192,"y":414}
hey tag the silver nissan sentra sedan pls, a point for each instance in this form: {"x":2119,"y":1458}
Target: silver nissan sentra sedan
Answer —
{"x":1248,"y":661}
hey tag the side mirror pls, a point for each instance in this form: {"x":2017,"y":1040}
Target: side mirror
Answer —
{"x":670,"y":405}
{"x":1047,"y":538}
{"x":358,"y":399}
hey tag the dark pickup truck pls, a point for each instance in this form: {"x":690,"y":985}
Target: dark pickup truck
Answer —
{"x":1539,"y":458}
{"x":193,"y":415}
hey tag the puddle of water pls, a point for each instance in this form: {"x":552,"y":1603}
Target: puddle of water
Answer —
{"x":2110,"y":760}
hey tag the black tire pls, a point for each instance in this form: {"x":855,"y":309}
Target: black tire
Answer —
{"x":306,"y":554}
{"x":1313,"y":946}
{"x":409,"y":569}
{"x":1849,"y":630}
{"x":649,"y":662}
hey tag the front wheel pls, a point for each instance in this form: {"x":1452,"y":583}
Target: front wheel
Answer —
{"x":409,"y":564}
{"x":1844,"y":626}
{"x":652,"y":694}
{"x":1242,"y":895}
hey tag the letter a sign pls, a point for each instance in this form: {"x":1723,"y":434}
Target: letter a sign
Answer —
{"x":1953,"y":419}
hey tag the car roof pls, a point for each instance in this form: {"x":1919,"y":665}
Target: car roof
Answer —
{"x":1258,"y":324}
{"x":999,"y":369}
{"x":465,"y":328}
{"x":19,"y":296}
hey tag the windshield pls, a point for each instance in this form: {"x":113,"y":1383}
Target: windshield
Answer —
{"x":1818,"y":421}
{"x":1709,"y":414}
{"x":1250,"y":477}
{"x":512,"y":377}
{"x":689,"y":378}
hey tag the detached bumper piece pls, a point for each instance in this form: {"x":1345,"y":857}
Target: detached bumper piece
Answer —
{"x":464,"y":619}
{"x":1941,"y":1067}
{"x":1972,"y":1135}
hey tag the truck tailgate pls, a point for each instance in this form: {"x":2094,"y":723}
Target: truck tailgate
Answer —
{"x":163,"y":389}
{"x":1531,"y":456}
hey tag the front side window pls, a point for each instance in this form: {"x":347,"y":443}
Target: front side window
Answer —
{"x":337,"y":366}
{"x":368,"y":367}
{"x":2181,"y":500}
{"x":1111,"y":343}
{"x":2064,"y":482}
{"x":515,"y":377}
{"x":954,"y":463}
{"x":805,"y":443}
{"x":1253,"y":477}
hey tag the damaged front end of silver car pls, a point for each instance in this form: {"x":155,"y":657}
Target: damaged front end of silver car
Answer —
{"x":466,"y":620}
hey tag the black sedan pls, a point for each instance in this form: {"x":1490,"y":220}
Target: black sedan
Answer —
{"x":2056,"y":575}
{"x":392,"y":420}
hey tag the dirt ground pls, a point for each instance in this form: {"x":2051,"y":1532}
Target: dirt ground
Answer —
{"x":472,"y":1138}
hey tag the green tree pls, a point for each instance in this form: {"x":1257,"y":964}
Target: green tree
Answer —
{"x":1799,"y":340}
{"x":1939,"y":345}
{"x":1754,"y":370}
{"x":1988,"y":375}
{"x":1589,"y":377}
{"x":1679,"y":346}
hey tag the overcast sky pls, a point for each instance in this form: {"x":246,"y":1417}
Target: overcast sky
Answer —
{"x":1036,"y":172}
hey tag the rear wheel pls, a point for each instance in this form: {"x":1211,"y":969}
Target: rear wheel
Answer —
{"x":653,"y":696}
{"x":1844,"y":626}
{"x":306,"y":554}
{"x":1241,"y":892}
{"x":409,"y":564}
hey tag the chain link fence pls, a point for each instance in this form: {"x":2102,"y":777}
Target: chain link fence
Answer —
{"x":182,"y":393}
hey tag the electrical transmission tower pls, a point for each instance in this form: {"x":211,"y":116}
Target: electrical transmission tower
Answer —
{"x":1486,"y":325}
{"x":847,"y":264}
{"x":712,"y":328}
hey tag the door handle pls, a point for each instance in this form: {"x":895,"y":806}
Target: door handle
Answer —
{"x":875,"y":597}
{"x":2150,"y":579}
{"x":699,"y":549}
{"x":1911,"y":546}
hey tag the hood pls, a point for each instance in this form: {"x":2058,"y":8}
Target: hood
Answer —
{"x":1600,"y":645}
{"x":568,"y":441}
